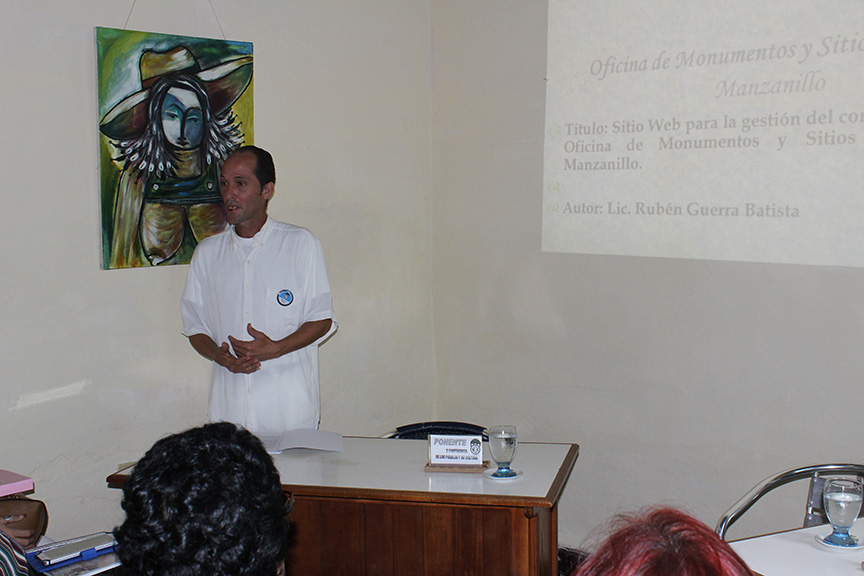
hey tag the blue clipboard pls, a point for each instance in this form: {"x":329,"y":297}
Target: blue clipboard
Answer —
{"x":78,"y":548}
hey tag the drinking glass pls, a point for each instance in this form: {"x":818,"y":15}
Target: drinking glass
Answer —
{"x":502,"y":447}
{"x":842,"y":499}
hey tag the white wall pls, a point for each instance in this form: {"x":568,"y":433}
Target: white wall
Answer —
{"x":408,"y":136}
{"x":92,"y":363}
{"x":684,"y":382}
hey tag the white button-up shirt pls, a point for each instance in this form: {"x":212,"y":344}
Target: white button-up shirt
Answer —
{"x":277,"y":284}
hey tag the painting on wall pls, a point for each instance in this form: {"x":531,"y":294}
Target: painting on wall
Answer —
{"x":171,"y":108}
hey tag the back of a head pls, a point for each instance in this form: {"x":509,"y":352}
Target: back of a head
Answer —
{"x":207,"y":501}
{"x":663,"y":542}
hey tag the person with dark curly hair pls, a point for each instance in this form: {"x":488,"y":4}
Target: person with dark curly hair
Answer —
{"x":207,"y":501}
{"x":663,"y":542}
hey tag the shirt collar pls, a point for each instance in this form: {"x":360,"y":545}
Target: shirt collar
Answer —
{"x":258,"y":239}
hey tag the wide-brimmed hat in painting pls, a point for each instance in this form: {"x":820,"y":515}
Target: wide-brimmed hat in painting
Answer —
{"x":224,"y":83}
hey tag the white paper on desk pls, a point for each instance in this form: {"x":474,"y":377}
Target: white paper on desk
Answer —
{"x":303,"y":438}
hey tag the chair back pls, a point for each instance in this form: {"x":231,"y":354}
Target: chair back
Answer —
{"x":814,"y":512}
{"x":422,"y":430}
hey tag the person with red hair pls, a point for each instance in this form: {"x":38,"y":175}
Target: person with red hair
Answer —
{"x":662,"y":542}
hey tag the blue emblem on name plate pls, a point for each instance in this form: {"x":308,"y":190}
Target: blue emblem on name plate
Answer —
{"x":285,"y":297}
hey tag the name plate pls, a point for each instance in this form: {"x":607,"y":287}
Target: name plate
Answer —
{"x":449,"y":450}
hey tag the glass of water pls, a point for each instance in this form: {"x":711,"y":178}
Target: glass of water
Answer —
{"x":502,"y":447}
{"x":842,"y":499}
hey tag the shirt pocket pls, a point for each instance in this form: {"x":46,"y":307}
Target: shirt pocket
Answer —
{"x":284,"y":310}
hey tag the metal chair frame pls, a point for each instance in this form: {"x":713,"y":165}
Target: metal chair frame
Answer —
{"x":814,"y":514}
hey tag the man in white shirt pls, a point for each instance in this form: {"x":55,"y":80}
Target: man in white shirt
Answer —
{"x":257,"y":303}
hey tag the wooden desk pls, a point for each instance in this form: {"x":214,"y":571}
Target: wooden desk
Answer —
{"x":373,"y":510}
{"x":796,"y":553}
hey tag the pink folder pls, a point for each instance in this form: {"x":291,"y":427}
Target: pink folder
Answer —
{"x":12,"y":483}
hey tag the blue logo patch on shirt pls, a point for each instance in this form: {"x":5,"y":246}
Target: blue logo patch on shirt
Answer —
{"x":285,"y":297}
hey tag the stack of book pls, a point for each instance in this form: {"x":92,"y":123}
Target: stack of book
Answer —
{"x":82,"y":556}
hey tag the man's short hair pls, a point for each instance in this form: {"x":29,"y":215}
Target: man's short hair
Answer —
{"x":265,"y":170}
{"x":207,"y":501}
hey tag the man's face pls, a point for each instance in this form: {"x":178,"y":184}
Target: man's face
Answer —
{"x":244,"y":198}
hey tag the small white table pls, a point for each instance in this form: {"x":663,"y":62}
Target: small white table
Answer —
{"x":383,"y":465}
{"x":796,"y":553}
{"x":373,"y":509}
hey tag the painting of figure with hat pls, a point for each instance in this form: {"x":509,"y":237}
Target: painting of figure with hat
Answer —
{"x":171,"y":109}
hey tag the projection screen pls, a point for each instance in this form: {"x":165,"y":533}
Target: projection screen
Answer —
{"x":723,"y":130}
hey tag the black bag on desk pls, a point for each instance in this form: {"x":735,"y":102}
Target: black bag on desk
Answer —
{"x":36,"y":511}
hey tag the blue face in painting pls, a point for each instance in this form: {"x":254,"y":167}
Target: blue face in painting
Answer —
{"x":182,"y":119}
